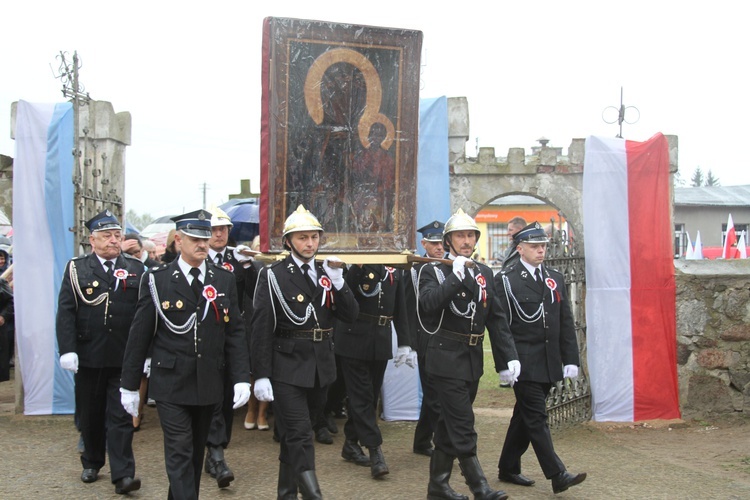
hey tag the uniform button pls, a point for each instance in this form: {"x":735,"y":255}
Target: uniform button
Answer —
{"x":200,"y":340}
{"x":199,"y":355}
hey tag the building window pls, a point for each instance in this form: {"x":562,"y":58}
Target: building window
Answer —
{"x":680,"y":240}
{"x":738,"y":229}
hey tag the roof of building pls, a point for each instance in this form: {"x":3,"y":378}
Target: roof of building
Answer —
{"x":719,"y":196}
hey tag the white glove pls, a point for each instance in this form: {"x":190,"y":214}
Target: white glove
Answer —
{"x":411,"y":360}
{"x":263,"y":390}
{"x":241,"y":394}
{"x":459,"y":266}
{"x":242,"y":258}
{"x":506,"y":378}
{"x":514,"y":367}
{"x":130,"y":401}
{"x":570,"y":371}
{"x":336,"y":274}
{"x":69,"y":361}
{"x":402,"y":353}
{"x":147,"y":367}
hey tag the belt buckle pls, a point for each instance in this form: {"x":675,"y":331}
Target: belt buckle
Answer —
{"x":317,"y":334}
{"x":383,"y":320}
{"x":474,"y":338}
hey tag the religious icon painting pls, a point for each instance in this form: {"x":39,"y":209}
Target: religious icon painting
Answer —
{"x":340,"y":112}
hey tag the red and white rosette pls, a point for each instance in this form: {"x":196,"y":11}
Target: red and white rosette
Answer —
{"x":552,"y":285}
{"x":390,"y":270}
{"x":209,"y":293}
{"x":228,"y":266}
{"x":482,"y":282}
{"x":325,"y":282}
{"x":121,"y":274}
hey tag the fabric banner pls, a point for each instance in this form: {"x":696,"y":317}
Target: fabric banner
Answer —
{"x":433,"y":183}
{"x":42,"y":245}
{"x":630,"y":286}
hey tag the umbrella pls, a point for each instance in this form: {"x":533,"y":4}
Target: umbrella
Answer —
{"x":245,"y":218}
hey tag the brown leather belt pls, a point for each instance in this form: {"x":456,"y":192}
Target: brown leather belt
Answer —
{"x":471,"y":339}
{"x":377,"y":320}
{"x":316,"y":334}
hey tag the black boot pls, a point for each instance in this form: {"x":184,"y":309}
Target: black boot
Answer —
{"x":308,"y":486}
{"x":474,"y":476}
{"x":217,"y":467}
{"x":378,"y":468}
{"x":287,"y":487}
{"x":353,"y":453}
{"x":441,"y":466}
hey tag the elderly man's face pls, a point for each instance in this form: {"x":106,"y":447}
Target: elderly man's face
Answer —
{"x":194,"y":250}
{"x":106,"y":244}
{"x":433,"y":249}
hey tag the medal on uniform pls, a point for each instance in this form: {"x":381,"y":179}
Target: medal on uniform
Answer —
{"x":390,"y":270}
{"x":325,"y":282}
{"x":209,"y":293}
{"x":482,"y":282}
{"x":89,"y":291}
{"x":178,"y":304}
{"x":121,"y":275}
{"x":226,"y":315}
{"x":365,"y":287}
{"x":95,"y":283}
{"x":552,"y":285}
{"x":165,"y":304}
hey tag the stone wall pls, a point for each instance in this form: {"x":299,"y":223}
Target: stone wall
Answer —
{"x":713,"y":336}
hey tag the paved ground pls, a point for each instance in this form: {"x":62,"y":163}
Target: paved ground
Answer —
{"x":695,"y":459}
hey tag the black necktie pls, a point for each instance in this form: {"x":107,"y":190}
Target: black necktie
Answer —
{"x":196,"y":285}
{"x":539,"y":282}
{"x":219,"y":259}
{"x":110,"y":266}
{"x":305,"y":271}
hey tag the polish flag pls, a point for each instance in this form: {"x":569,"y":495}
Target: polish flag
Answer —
{"x":630,"y":286}
{"x":729,"y":242}
{"x":741,"y":250}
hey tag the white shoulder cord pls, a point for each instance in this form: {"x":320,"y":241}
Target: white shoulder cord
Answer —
{"x":179,"y":330}
{"x":297,"y":320}
{"x":526,"y":318}
{"x":440,"y":279}
{"x":77,"y":288}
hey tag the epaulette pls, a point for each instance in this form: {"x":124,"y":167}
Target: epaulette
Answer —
{"x":80,"y":257}
{"x":160,"y":267}
{"x":128,"y":256}
{"x":274,"y":264}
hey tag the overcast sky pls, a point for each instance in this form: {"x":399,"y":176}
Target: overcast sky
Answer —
{"x":189,"y":73}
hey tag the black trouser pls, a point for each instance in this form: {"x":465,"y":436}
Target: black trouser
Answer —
{"x":104,"y":423}
{"x":336,"y":391}
{"x":454,"y":433}
{"x":528,"y":425}
{"x":220,"y":432}
{"x":428,"y":412}
{"x":291,"y":410}
{"x":363,"y":380}
{"x":185,"y":429}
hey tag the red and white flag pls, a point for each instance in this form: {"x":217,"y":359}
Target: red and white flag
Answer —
{"x":630,"y":286}
{"x":741,"y":249}
{"x":730,"y":241}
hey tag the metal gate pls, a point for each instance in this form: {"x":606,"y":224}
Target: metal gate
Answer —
{"x":569,"y":401}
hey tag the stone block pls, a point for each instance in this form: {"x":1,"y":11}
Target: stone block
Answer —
{"x":712,"y":359}
{"x":708,"y":394}
{"x":736,"y":333}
